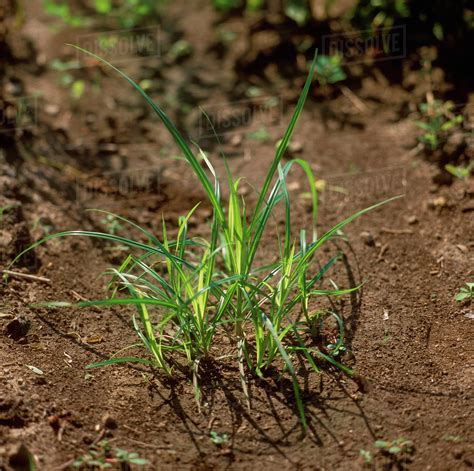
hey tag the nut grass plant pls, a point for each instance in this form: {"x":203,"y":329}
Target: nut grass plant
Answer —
{"x":188,"y":291}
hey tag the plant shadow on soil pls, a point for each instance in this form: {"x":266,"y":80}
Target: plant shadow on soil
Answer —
{"x":221,"y":389}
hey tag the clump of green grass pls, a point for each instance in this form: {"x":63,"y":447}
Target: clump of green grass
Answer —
{"x":191,"y":291}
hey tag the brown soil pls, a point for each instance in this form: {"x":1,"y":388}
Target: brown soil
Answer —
{"x":407,"y":339}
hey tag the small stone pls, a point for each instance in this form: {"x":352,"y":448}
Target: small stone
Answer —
{"x":236,"y":140}
{"x":462,"y":248}
{"x":243,"y":190}
{"x":109,"y":422}
{"x":439,"y":202}
{"x":41,"y":59}
{"x":367,"y":238}
{"x":295,"y":147}
{"x":51,"y":109}
{"x":294,"y":186}
{"x":109,"y":148}
{"x":412,"y":220}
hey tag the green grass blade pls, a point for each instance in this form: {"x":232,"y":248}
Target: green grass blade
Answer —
{"x":282,"y":147}
{"x":116,"y":361}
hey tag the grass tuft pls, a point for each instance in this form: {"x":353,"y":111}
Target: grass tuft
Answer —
{"x":189,"y":292}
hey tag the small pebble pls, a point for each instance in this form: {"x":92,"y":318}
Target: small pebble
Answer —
{"x":51,"y":109}
{"x":109,"y":422}
{"x":236,"y":140}
{"x":439,"y":202}
{"x":367,"y":238}
{"x":293,"y":186}
{"x":109,"y":147}
{"x":412,"y":220}
{"x":295,"y":147}
{"x":41,"y":59}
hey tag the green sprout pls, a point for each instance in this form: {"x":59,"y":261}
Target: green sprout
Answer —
{"x":128,"y":13}
{"x":466,"y":292}
{"x":374,"y":14}
{"x":219,"y":438}
{"x":459,"y":171}
{"x":438,"y":122}
{"x":329,"y":69}
{"x":101,"y":456}
{"x":399,"y":446}
{"x":111,"y":224}
{"x":366,"y":456}
{"x":296,"y":10}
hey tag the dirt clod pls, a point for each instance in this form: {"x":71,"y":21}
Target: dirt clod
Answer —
{"x":109,"y":422}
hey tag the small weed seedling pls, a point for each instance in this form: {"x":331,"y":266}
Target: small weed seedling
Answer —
{"x":61,"y":9}
{"x":111,"y":224}
{"x":399,"y":448}
{"x":296,"y":10}
{"x":366,"y":456}
{"x":260,"y":134}
{"x":458,"y":171}
{"x":219,"y":438}
{"x":438,"y":121}
{"x":128,"y":13}
{"x":375,"y":14}
{"x":102,"y":456}
{"x":189,"y":291}
{"x":67,"y":80}
{"x":329,"y":69}
{"x":466,"y":292}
